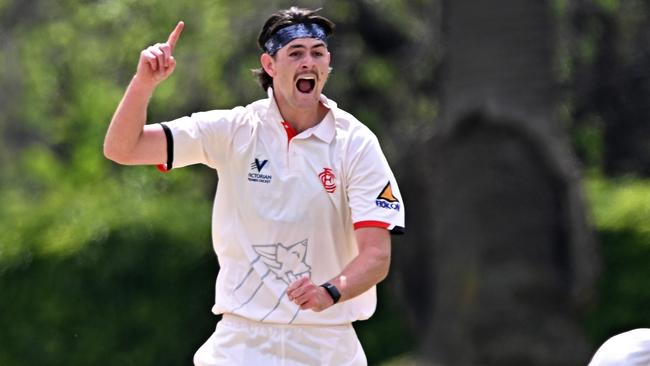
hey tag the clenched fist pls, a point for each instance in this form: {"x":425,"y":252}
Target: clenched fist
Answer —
{"x":308,"y":295}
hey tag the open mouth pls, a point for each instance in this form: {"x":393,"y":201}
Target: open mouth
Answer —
{"x":306,"y":84}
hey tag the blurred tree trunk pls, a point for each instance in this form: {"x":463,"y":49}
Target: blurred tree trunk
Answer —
{"x":615,"y":85}
{"x":502,"y":220}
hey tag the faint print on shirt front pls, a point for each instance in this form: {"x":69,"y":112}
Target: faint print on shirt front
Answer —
{"x":276,"y":263}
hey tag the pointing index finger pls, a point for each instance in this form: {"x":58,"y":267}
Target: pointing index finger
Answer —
{"x":175,"y":34}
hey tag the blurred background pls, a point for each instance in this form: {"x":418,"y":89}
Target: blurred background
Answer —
{"x":518,"y":131}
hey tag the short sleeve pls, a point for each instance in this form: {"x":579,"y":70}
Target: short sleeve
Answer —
{"x":202,"y":138}
{"x":373,"y":194}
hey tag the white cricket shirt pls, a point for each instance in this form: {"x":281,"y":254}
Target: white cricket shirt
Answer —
{"x":631,"y":348}
{"x":287,"y":205}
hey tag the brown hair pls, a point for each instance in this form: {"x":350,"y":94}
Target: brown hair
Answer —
{"x":281,"y":19}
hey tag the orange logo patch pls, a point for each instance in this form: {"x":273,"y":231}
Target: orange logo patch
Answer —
{"x":387,"y":194}
{"x":387,"y":199}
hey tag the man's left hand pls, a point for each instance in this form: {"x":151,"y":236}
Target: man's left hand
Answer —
{"x":308,"y":295}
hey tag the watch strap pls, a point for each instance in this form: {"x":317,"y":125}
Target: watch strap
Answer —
{"x":332,"y":291}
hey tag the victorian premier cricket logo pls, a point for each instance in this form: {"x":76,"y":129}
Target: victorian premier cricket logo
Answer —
{"x":256,"y":174}
{"x":276,"y":265}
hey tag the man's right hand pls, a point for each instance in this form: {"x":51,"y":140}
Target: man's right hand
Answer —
{"x":157,"y":62}
{"x":128,"y":140}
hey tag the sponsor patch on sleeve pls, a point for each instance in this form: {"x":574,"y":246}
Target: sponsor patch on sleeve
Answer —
{"x":387,"y":200}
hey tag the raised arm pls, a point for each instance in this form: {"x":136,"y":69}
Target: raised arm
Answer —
{"x":128,"y":140}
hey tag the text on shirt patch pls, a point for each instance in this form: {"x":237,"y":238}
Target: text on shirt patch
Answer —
{"x":387,"y":200}
{"x":256,"y":175}
{"x":327,"y":177}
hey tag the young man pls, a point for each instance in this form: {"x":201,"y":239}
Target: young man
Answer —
{"x":304,"y":205}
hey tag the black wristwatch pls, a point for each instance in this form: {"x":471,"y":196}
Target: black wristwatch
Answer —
{"x":332,"y":290}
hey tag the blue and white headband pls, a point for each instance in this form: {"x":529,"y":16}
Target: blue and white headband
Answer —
{"x":287,"y":34}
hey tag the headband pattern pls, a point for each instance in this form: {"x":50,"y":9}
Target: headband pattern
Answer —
{"x":285,"y":35}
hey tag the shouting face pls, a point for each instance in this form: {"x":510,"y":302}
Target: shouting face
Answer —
{"x":299,"y":71}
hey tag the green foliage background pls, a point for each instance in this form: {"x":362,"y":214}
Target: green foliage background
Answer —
{"x":621,"y":211}
{"x":101,"y":264}
{"x":109,"y":265}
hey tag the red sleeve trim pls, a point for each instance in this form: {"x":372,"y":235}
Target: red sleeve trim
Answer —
{"x":381,"y":224}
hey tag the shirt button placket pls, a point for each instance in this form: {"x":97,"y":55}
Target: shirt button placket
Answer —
{"x":293,"y":157}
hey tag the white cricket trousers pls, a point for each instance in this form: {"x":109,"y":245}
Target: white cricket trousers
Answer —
{"x":241,"y":342}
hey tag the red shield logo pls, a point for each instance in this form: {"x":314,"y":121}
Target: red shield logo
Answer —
{"x":328,"y":178}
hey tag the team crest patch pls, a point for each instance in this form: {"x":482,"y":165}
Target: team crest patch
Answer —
{"x":328,"y":179}
{"x":386,"y":199}
{"x":256,"y":174}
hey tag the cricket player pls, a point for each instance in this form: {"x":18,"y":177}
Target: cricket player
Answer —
{"x":305,"y":202}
